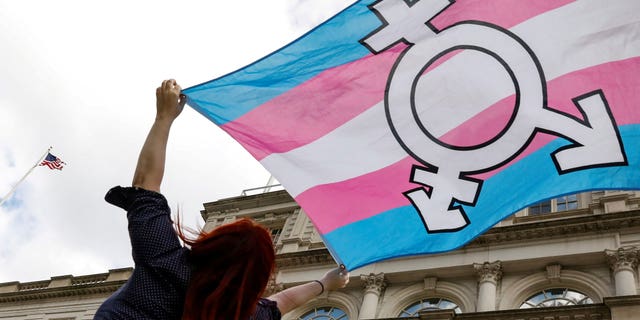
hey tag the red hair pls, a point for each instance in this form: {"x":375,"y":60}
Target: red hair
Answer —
{"x":231,"y":267}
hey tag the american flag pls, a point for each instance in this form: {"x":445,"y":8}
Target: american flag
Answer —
{"x":52,"y":162}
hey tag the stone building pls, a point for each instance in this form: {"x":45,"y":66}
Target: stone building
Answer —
{"x":571,"y":258}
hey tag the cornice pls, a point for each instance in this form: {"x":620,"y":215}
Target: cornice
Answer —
{"x":622,"y":301}
{"x":275,"y":201}
{"x":559,"y":228}
{"x":62,"y":292}
{"x":591,"y":311}
{"x":304,"y":258}
{"x":583,"y":225}
{"x":65,"y":286}
{"x":249,"y":202}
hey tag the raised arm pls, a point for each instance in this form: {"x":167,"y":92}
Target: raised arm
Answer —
{"x":294,"y":297}
{"x":151,"y":161}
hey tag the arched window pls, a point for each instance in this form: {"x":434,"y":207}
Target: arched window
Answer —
{"x":324,"y":313}
{"x":428,"y":304}
{"x":556,"y":297}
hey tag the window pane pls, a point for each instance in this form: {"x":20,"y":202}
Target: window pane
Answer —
{"x":567,"y":202}
{"x":428,"y":304}
{"x":411,"y":310}
{"x":556,"y":297}
{"x":535,"y":300}
{"x":325,"y":313}
{"x":555,"y":293}
{"x":447,"y":305}
{"x":540,"y":208}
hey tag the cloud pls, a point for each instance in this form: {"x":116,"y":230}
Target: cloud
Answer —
{"x":307,"y":14}
{"x":14,"y":201}
{"x":81,"y":76}
{"x":8,"y":159}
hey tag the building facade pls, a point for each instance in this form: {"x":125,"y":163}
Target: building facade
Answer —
{"x":573,"y":257}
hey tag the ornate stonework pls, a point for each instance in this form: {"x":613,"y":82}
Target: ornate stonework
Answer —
{"x":625,"y":258}
{"x":430,"y":284}
{"x":525,"y":244}
{"x":488,"y":271}
{"x":583,"y":225}
{"x":373,"y":282}
{"x":304,"y":258}
{"x":553,"y":272}
{"x":272,"y":286}
{"x":103,"y":284}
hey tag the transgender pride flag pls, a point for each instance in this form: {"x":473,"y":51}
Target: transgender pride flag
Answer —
{"x":411,"y":127}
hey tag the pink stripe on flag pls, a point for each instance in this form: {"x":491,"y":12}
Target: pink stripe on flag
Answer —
{"x":317,"y":107}
{"x":381,"y":190}
{"x":619,"y":82}
{"x":505,"y":13}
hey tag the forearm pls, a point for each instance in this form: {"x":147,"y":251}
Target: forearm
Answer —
{"x":294,"y":297}
{"x":151,"y":161}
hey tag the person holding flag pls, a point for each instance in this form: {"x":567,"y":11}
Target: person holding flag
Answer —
{"x":222,"y":274}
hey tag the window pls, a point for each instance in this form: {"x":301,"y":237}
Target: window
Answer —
{"x":325,"y":313}
{"x":275,"y":235}
{"x":540,"y":208}
{"x":556,"y":297}
{"x":569,"y":202}
{"x":564,"y":203}
{"x":428,"y":304}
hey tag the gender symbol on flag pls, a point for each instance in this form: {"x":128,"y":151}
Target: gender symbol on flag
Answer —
{"x":595,"y":140}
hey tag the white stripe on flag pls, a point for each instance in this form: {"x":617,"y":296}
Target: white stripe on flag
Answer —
{"x":576,"y":36}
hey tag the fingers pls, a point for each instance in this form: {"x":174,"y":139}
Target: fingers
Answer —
{"x":169,"y":100}
{"x":168,"y":84}
{"x":171,"y":87}
{"x":182,"y":100}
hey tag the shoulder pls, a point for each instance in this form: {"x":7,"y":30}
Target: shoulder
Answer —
{"x":267,"y":310}
{"x":128,"y":198}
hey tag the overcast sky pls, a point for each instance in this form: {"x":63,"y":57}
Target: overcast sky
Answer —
{"x":80,"y":75}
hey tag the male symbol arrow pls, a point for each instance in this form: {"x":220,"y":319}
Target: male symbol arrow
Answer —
{"x":596,"y":140}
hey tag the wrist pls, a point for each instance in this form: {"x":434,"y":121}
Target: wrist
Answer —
{"x":164,"y":120}
{"x":321,"y":286}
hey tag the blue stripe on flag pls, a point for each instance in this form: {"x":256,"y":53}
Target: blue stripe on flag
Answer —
{"x":357,"y":243}
{"x":329,"y":45}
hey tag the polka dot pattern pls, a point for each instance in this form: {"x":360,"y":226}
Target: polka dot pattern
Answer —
{"x":157,"y":287}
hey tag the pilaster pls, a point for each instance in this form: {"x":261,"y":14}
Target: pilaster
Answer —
{"x":489,"y":274}
{"x":624,"y":263}
{"x":373,"y":284}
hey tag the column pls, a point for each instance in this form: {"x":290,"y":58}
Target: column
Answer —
{"x":488,"y":276}
{"x":373,"y":285}
{"x":624,"y":262}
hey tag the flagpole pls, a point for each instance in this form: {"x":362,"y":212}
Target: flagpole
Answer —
{"x":269,"y":182}
{"x":15,"y":186}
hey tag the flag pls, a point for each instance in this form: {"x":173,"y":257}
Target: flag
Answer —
{"x":52,"y":162}
{"x":411,"y":127}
